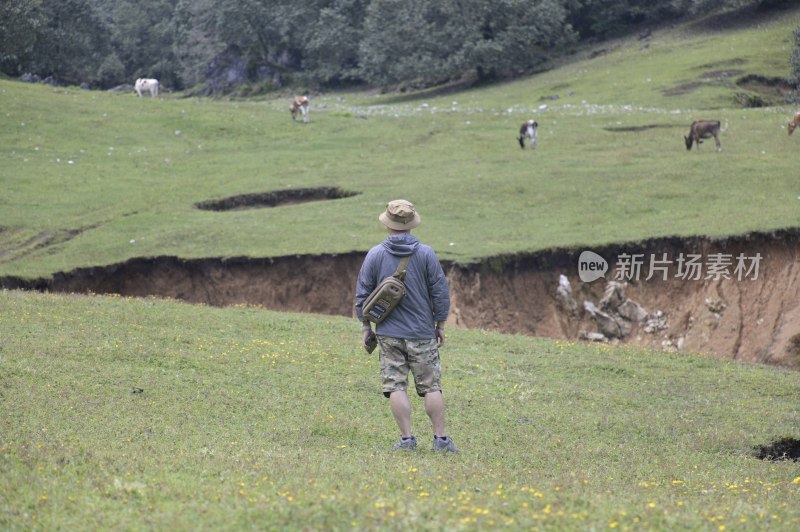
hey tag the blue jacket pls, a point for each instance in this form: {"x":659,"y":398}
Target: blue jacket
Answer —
{"x":427,"y":298}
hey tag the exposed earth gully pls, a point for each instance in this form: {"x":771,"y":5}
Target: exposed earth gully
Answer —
{"x":755,"y":318}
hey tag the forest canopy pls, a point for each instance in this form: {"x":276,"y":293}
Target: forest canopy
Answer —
{"x":319,"y":43}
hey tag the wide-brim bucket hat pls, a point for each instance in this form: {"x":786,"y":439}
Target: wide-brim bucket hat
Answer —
{"x":400,"y":215}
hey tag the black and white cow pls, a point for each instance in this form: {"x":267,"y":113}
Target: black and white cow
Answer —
{"x":528,"y":130}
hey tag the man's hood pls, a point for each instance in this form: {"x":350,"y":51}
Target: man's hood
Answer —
{"x":401,"y":245}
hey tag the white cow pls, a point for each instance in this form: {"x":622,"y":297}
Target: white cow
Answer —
{"x":300,"y":104}
{"x":528,"y":129}
{"x":146,"y":84}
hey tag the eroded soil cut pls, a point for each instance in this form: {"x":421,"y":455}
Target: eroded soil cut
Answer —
{"x":719,"y":309}
{"x":274,"y":198}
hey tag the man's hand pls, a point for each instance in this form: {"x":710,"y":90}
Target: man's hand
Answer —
{"x":370,"y":340}
{"x":439,"y":336}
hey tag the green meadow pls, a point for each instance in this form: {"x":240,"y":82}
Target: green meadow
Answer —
{"x":122,"y":414}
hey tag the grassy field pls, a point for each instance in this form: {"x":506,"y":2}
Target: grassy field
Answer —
{"x":120,"y":414}
{"x":93,"y":178}
{"x":125,"y":414}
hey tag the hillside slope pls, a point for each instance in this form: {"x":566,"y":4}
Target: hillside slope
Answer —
{"x":94,"y":178}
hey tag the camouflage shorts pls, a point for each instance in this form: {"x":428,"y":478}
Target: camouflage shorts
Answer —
{"x":399,"y":356}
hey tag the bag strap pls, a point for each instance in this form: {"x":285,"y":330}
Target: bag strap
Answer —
{"x":400,"y":272}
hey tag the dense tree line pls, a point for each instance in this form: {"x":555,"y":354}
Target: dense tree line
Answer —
{"x":325,"y":43}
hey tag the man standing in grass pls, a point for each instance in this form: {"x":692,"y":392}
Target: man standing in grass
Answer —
{"x":410,"y":337}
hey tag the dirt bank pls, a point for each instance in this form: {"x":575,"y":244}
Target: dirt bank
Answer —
{"x":755,"y":318}
{"x":751,"y":313}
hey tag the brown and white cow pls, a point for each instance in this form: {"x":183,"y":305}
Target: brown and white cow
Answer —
{"x":794,"y":123}
{"x":528,"y":130}
{"x":703,"y":129}
{"x":146,"y":84}
{"x":300,"y":105}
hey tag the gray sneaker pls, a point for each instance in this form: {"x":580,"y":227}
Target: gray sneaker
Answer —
{"x":406,"y":445}
{"x":444,"y":445}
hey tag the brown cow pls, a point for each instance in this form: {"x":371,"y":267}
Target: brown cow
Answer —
{"x":794,"y":123}
{"x":300,"y":104}
{"x":703,"y":129}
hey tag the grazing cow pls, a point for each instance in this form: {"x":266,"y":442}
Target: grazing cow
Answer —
{"x":300,"y":104}
{"x":528,"y":129}
{"x":145,"y":84}
{"x":703,"y":129}
{"x":794,"y":123}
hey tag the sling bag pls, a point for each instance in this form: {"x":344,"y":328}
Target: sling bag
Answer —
{"x":387,"y":295}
